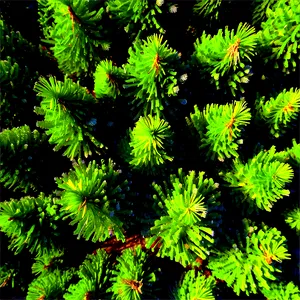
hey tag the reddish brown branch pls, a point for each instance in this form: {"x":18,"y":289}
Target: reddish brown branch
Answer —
{"x":73,"y":15}
{"x":112,"y":245}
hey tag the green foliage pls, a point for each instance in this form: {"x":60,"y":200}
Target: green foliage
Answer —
{"x":108,"y":80}
{"x":49,"y":286}
{"x":76,"y":32}
{"x":9,"y":74}
{"x":195,"y":286}
{"x":137,"y":16}
{"x":260,"y":10}
{"x":45,"y":13}
{"x":251,"y":267}
{"x":294,"y":153}
{"x":12,"y":42}
{"x":90,"y":195}
{"x":189,"y":214}
{"x":290,"y":155}
{"x":47,"y":262}
{"x":207,"y":8}
{"x":282,"y":291}
{"x":9,"y":71}
{"x":16,"y":80}
{"x":151,"y":70}
{"x":66,"y":107}
{"x":280,"y":34}
{"x":124,"y":148}
{"x":279,"y":113}
{"x":149,"y":139}
{"x":190,"y":226}
{"x":132,"y":276}
{"x":31,"y":223}
{"x":17,"y":146}
{"x":94,"y":274}
{"x":248,"y":186}
{"x":219,"y":128}
{"x":293,"y":219}
{"x":16,"y":94}
{"x":225,"y":54}
{"x":7,"y":274}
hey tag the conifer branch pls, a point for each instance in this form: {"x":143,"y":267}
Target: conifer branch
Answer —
{"x":90,"y":194}
{"x":189,"y":212}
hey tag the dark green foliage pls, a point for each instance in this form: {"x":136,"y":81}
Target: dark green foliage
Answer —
{"x":280,"y":35}
{"x":124,"y":148}
{"x":226,"y":55}
{"x":46,"y":9}
{"x":11,"y":42}
{"x":290,"y":155}
{"x":149,"y":139}
{"x":279,"y":112}
{"x":219,"y":128}
{"x":260,"y":10}
{"x":77,"y":34}
{"x":66,"y":107}
{"x":132,"y":277}
{"x":49,"y":286}
{"x":31,"y":223}
{"x":16,"y":93}
{"x":207,"y":8}
{"x":135,"y":16}
{"x":293,"y":219}
{"x":17,"y":146}
{"x":251,"y":265}
{"x":47,"y":262}
{"x":7,"y":274}
{"x":90,"y":196}
{"x":245,"y":179}
{"x":151,"y":71}
{"x":94,"y":274}
{"x":195,"y":286}
{"x":294,"y":153}
{"x":108,"y":80}
{"x":189,"y":213}
{"x":282,"y":291}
